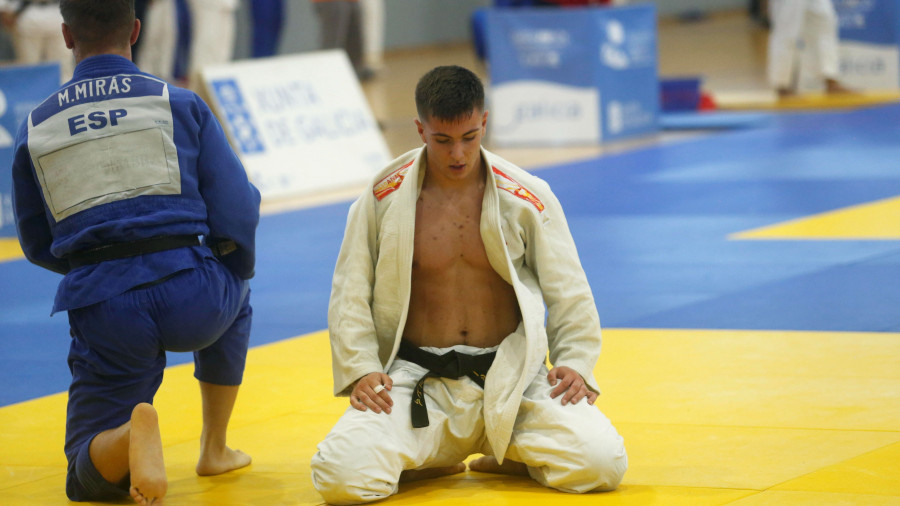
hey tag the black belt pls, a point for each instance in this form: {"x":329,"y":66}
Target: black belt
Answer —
{"x":449,"y":365}
{"x":131,"y":249}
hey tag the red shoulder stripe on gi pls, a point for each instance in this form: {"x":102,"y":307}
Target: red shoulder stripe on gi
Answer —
{"x":509,"y":184}
{"x":391,"y":182}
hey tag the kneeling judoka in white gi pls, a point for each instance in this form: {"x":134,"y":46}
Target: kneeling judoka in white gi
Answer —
{"x":437,"y":321}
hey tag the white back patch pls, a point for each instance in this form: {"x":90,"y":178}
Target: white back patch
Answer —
{"x":93,"y":152}
{"x":120,"y":167}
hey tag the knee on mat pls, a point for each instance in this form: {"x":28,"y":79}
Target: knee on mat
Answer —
{"x":346,"y":481}
{"x":608,"y":463}
{"x":597,"y":468}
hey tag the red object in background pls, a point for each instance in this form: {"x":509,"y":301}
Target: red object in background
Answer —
{"x":706,"y":102}
{"x":575,"y":3}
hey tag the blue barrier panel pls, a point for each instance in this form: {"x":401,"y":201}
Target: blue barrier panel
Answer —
{"x":21,"y":89}
{"x":572,"y":76}
{"x":869,"y":39}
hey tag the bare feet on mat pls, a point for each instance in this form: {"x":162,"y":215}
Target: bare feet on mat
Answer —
{"x":213,"y":462}
{"x":431,"y":472}
{"x":785,"y":93}
{"x":488,"y":464}
{"x":145,"y":457}
{"x":833,"y":86}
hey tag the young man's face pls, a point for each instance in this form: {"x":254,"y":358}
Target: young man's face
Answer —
{"x":454,"y":147}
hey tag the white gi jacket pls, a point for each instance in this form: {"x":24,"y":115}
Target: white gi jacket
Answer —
{"x":528,"y":243}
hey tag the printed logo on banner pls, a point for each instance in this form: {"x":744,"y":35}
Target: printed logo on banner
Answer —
{"x":550,"y":69}
{"x":545,"y":113}
{"x":21,"y":89}
{"x":238,"y":117}
{"x":6,"y":144}
{"x":542,"y":47}
{"x":869,"y":66}
{"x":6,"y":139}
{"x":868,"y":51}
{"x":627,"y":57}
{"x":866,"y":20}
{"x":302,"y":122}
{"x":612,"y":52}
{"x":623,"y":48}
{"x":622,"y":116}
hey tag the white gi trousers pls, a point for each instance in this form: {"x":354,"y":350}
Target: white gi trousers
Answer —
{"x":38,"y":38}
{"x":372,"y":15}
{"x":157,"y":54}
{"x":213,"y":31}
{"x":791,"y":19}
{"x":573,"y":448}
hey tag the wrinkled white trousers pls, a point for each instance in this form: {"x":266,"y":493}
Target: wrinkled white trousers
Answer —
{"x":790,"y":19}
{"x":573,"y":448}
{"x":38,"y":38}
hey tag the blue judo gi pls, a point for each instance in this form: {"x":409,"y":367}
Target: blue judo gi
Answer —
{"x":119,"y":156}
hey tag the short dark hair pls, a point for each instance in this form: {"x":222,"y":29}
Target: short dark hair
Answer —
{"x":95,"y":24}
{"x":449,"y":93}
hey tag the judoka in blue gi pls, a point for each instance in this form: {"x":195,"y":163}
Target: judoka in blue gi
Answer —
{"x":128,"y":186}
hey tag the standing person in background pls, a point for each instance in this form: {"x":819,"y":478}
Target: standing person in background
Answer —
{"x":789,"y":20}
{"x":372,"y":12}
{"x":159,"y":35}
{"x":212,"y":35}
{"x":167,"y":41}
{"x":35,"y":28}
{"x":268,"y":21}
{"x":340,"y":28}
{"x":128,"y":187}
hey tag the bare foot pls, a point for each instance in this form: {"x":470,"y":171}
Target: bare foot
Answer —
{"x":431,"y":472}
{"x":785,"y":93}
{"x":145,"y":457}
{"x":213,"y":462}
{"x":488,"y":464}
{"x":833,"y":86}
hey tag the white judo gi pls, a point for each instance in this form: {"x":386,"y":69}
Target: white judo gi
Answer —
{"x":528,"y":243}
{"x":790,"y":20}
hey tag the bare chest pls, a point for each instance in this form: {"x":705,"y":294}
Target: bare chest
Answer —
{"x":448,"y":234}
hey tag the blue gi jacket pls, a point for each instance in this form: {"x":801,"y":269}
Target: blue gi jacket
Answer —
{"x":117,"y":155}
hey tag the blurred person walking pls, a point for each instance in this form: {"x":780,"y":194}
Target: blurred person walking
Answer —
{"x":34,"y":25}
{"x":790,"y":20}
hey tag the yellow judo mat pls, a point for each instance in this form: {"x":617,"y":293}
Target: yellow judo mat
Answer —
{"x":878,"y":220}
{"x":709,"y":417}
{"x":812,"y":101}
{"x":10,"y":249}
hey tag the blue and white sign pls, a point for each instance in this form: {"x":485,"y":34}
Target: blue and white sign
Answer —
{"x":572,"y":76}
{"x":300,"y":123}
{"x":868,"y":54}
{"x":21,"y":89}
{"x":869,"y":38}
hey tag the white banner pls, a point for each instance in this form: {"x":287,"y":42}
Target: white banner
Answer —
{"x":870,"y":66}
{"x":300,"y":123}
{"x":544,"y":113}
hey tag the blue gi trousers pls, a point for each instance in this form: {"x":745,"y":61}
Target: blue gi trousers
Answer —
{"x":118,"y":353}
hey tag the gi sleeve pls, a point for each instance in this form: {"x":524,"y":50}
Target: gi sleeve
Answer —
{"x":32,"y":226}
{"x":573,"y":324}
{"x":232,"y":202}
{"x":354,"y":344}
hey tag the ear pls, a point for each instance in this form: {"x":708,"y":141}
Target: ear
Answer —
{"x":484,"y":122}
{"x":421,"y":128}
{"x":135,"y":31}
{"x":67,"y":36}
